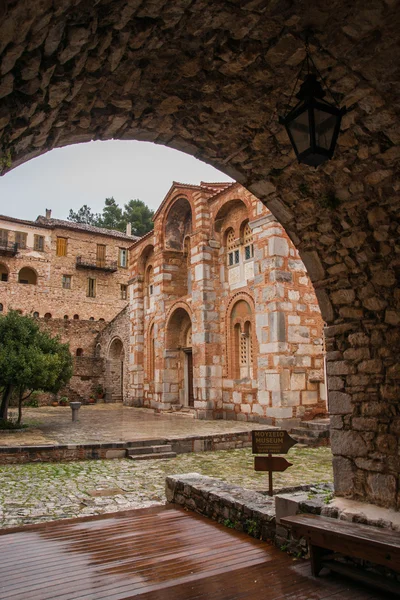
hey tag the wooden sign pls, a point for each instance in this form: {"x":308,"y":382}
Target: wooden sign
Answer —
{"x":271,"y":441}
{"x":271,"y":463}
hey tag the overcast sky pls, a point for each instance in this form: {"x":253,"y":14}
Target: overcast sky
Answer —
{"x":88,"y":173}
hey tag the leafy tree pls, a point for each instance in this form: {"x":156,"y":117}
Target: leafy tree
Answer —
{"x":30,"y":359}
{"x":135,"y":212}
{"x":84,"y":215}
{"x":111,"y":217}
{"x":139,"y":215}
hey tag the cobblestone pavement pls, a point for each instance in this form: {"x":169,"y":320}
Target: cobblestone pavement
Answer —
{"x":109,"y":423}
{"x":38,"y":492}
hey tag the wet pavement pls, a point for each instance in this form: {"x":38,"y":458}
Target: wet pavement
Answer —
{"x":102,"y":423}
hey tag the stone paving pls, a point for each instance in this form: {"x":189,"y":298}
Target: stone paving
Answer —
{"x":37,"y":492}
{"x":110,"y":423}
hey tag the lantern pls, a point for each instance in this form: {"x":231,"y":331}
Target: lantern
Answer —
{"x":313,"y":125}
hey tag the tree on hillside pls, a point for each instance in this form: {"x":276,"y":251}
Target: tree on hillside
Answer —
{"x":139,"y":215}
{"x":113,"y":216}
{"x":30,"y":360}
{"x":84,"y":215}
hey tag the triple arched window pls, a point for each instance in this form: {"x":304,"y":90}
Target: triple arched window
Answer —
{"x":241,"y":248}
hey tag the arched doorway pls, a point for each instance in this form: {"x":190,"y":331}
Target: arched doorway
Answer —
{"x":179,"y":358}
{"x":115,"y":370}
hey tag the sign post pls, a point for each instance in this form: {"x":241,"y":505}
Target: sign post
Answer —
{"x":271,"y":441}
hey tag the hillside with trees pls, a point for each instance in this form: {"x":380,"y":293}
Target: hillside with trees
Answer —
{"x":113,"y":216}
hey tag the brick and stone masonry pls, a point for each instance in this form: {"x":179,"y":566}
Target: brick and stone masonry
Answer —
{"x":224,"y":319}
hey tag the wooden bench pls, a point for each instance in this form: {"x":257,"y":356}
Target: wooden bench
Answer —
{"x":327,"y":538}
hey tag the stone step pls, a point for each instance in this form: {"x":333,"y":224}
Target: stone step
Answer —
{"x":153,"y":456}
{"x":302,"y":431}
{"x":148,"y":449}
{"x":316,"y":425}
{"x":141,"y":443}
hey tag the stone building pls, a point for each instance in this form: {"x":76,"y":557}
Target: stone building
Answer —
{"x":67,"y":270}
{"x":73,"y":278}
{"x":224,"y":318}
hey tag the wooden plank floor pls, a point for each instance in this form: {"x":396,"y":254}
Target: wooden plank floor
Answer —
{"x":161,"y":553}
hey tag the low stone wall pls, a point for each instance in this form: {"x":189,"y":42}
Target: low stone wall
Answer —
{"x":70,"y":452}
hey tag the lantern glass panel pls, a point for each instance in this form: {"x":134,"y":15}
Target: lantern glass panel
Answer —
{"x":300,"y":131}
{"x":325,"y":124}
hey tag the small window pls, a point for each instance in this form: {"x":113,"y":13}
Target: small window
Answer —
{"x":100,"y":255}
{"x":66,"y":317}
{"x":123,"y":258}
{"x":4,"y":276}
{"x":38,"y":243}
{"x":233,"y":255}
{"x":102,"y":319}
{"x":151,"y":289}
{"x":47,"y":316}
{"x":20,"y":239}
{"x":76,"y":317}
{"x":35,"y":315}
{"x":1,"y":307}
{"x":91,"y":289}
{"x":79,"y":352}
{"x":124,"y":291}
{"x":3,"y":237}
{"x":66,"y":282}
{"x":248,"y":252}
{"x":61,"y":249}
{"x":3,"y":273}
{"x":91,"y":318}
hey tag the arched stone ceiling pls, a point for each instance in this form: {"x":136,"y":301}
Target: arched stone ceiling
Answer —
{"x":206,"y":77}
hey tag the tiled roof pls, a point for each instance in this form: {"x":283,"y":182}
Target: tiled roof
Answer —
{"x":53,"y":223}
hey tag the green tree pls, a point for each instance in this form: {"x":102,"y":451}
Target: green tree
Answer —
{"x":84,"y":215}
{"x":135,"y":212}
{"x":139,"y":215}
{"x":111,"y":217}
{"x":30,"y":360}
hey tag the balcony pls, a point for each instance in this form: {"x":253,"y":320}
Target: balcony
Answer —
{"x":8,"y":249}
{"x":96,"y":265}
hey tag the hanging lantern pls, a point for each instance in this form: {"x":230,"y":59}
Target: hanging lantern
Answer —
{"x":313,"y":125}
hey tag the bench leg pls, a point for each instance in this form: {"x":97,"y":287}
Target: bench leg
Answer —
{"x":316,"y":555}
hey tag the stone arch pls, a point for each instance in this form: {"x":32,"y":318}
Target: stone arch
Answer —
{"x":4,"y":272}
{"x":115,"y":369}
{"x":179,"y":356}
{"x":237,"y":205}
{"x":343,"y":217}
{"x":177,"y":223}
{"x":240,"y":323}
{"x":28,"y":276}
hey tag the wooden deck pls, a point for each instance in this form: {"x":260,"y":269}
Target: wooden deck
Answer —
{"x":162,"y":553}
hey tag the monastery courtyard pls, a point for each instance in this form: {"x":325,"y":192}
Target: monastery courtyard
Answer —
{"x":39,"y":492}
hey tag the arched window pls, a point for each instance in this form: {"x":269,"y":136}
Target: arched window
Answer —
{"x":79,"y":352}
{"x":149,"y":286}
{"x":152,"y":354}
{"x":91,"y":318}
{"x":66,"y":317}
{"x":47,"y":316}
{"x":3,"y":272}
{"x":248,"y":242}
{"x":76,"y":317}
{"x":1,"y":307}
{"x":97,"y":351}
{"x":188,"y":257}
{"x":240,"y":344}
{"x":35,"y":315}
{"x":27,"y":276}
{"x":231,"y":250}
{"x":99,"y":319}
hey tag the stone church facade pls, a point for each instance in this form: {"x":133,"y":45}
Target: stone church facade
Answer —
{"x":212,"y":312}
{"x":224,"y":319}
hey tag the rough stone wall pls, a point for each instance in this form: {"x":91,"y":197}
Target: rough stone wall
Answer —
{"x":117,"y":329}
{"x":209,"y":79}
{"x":48,"y":296}
{"x":287,"y":369}
{"x":88,"y":370}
